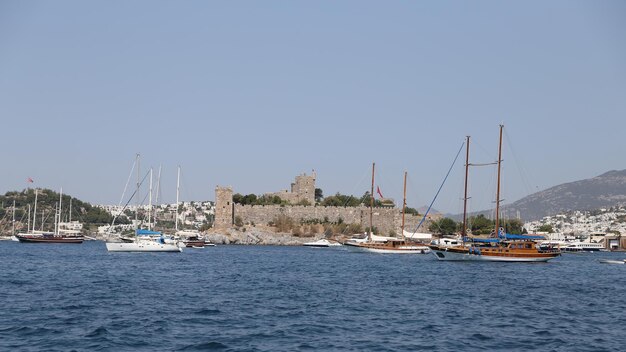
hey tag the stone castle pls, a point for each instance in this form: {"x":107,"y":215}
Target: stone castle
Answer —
{"x":387,"y":220}
{"x":302,"y":191}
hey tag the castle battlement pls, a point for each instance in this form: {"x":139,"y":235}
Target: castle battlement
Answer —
{"x":386,"y":219}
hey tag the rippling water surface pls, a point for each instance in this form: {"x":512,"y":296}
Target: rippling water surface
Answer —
{"x":247,"y":298}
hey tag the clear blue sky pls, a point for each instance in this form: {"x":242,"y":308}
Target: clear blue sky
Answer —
{"x":252,"y":93}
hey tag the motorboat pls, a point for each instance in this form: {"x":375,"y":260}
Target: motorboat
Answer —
{"x":322,"y":243}
{"x":610,"y":261}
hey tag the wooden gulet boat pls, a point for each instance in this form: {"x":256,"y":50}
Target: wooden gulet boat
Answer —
{"x":387,"y":244}
{"x":49,"y":237}
{"x":502,"y":248}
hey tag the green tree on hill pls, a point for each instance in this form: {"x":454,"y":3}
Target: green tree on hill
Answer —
{"x":319,"y":195}
{"x":253,"y":199}
{"x":444,"y":226}
{"x":47,"y":201}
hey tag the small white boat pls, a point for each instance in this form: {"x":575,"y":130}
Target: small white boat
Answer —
{"x":322,"y":243}
{"x":609,"y":261}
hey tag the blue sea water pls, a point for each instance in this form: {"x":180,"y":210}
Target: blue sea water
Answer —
{"x":253,"y":298}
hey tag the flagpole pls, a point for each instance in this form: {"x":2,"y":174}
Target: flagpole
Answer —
{"x":13,"y":217}
{"x":372,"y":206}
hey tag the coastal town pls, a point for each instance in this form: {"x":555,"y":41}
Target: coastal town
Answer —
{"x":227,"y":221}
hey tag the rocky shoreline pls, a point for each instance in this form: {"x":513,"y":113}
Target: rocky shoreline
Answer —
{"x":258,"y":237}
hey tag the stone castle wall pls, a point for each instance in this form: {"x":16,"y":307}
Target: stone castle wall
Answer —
{"x":386,"y":220}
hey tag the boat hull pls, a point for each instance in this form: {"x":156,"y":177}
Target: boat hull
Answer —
{"x":464,"y":254}
{"x":194,"y":244}
{"x":390,"y":249}
{"x":49,"y":239}
{"x":609,"y":261}
{"x":142,"y":247}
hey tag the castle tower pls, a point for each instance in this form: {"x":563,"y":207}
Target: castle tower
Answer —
{"x":223,"y":207}
{"x":304,"y":188}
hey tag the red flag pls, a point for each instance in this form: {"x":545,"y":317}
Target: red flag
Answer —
{"x":29,"y":180}
{"x":379,"y":193}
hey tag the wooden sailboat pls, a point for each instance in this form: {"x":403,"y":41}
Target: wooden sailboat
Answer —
{"x":33,"y":236}
{"x":380,"y":244}
{"x":503,"y":247}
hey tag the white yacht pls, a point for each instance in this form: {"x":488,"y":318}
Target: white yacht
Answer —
{"x":322,"y":243}
{"x":143,"y":245}
{"x":583,"y":247}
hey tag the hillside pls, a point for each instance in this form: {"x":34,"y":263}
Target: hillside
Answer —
{"x":47,"y":200}
{"x":606,"y":190}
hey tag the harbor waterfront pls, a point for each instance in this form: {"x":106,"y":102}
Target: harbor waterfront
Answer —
{"x":286,"y":298}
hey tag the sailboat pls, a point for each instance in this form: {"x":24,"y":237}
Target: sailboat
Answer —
{"x":145,"y":240}
{"x":383,"y":244}
{"x":33,"y":236}
{"x":503,"y":247}
{"x":190,"y":238}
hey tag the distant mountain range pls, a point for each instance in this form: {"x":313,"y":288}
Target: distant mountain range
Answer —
{"x":606,"y":190}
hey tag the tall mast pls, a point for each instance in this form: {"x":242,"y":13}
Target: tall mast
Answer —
{"x":403,"y":204}
{"x":177,"y":194}
{"x":498,"y":187}
{"x":369,"y":236}
{"x":70,"y":216}
{"x":158,"y":193}
{"x":28,"y":226}
{"x":35,"y":211}
{"x":464,"y":229}
{"x":58,"y":219}
{"x":150,"y":203}
{"x":14,"y":217}
{"x":137,"y":190}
